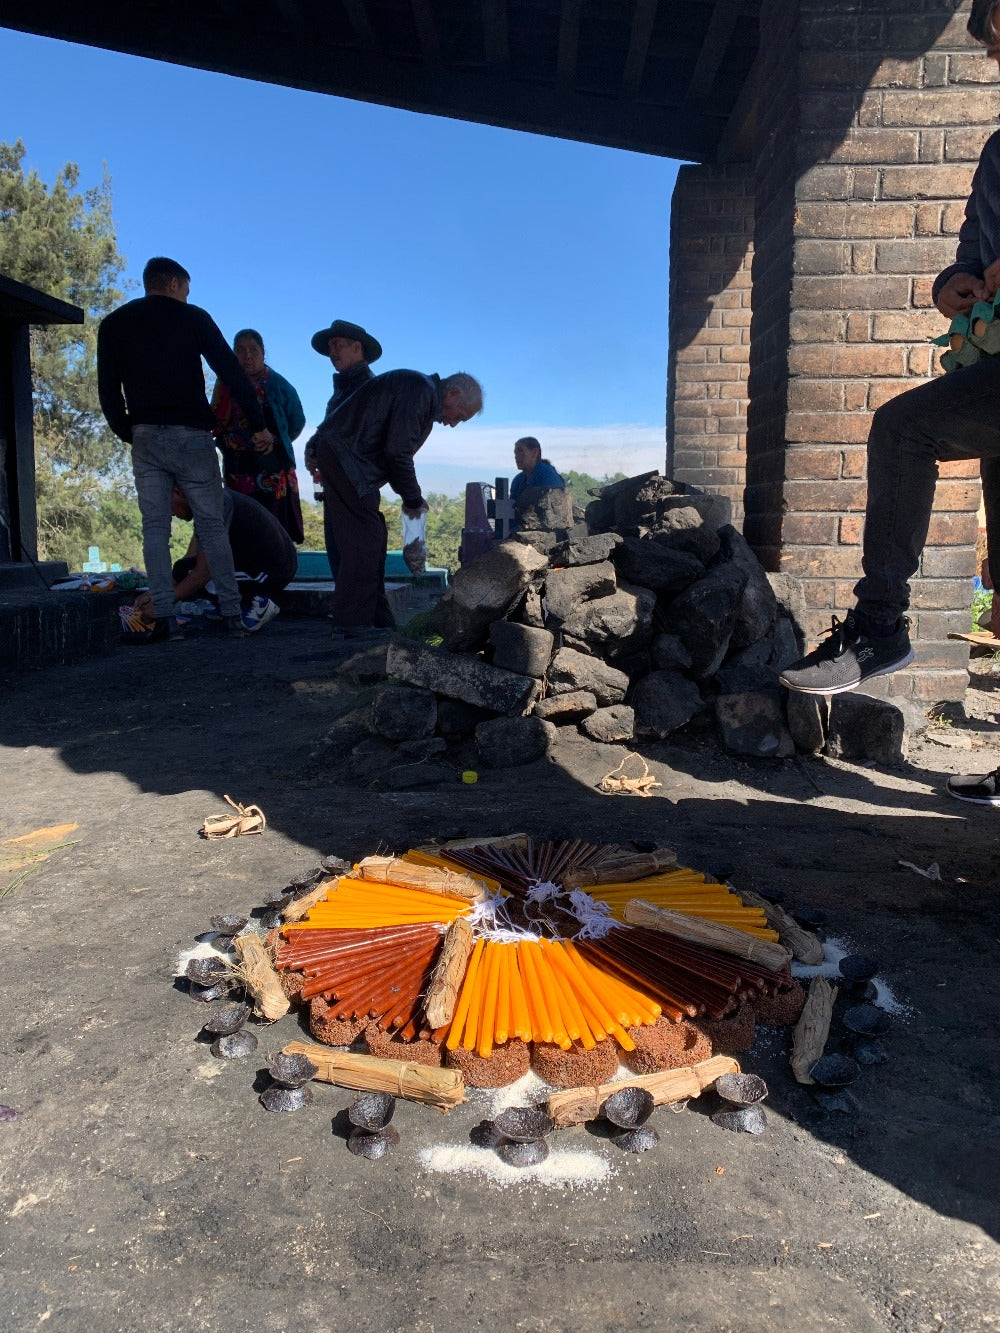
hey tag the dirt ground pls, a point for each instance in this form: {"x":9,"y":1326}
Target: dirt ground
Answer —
{"x":142,"y":1185}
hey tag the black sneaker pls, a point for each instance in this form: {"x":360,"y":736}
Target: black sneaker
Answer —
{"x":848,"y":657}
{"x":979,"y":788}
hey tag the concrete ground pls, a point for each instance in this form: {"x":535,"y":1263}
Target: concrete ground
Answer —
{"x":142,"y":1185}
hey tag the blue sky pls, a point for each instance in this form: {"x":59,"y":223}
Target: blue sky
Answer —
{"x":536,"y":264}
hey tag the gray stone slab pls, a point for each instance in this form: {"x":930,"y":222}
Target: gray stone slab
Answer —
{"x":754,"y":724}
{"x":572,"y":670}
{"x":567,"y":589}
{"x":864,"y":729}
{"x":664,"y":701}
{"x":521,"y":648}
{"x":589,"y":550}
{"x":649,"y":563}
{"x":569,"y":707}
{"x":483,"y":592}
{"x":627,"y":612}
{"x":403,"y":712}
{"x":611,"y":724}
{"x":509,"y":742}
{"x":460,"y":676}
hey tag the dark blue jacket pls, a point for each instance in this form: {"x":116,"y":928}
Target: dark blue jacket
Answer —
{"x":979,"y":237}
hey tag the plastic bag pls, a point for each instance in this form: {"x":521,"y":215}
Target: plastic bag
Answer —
{"x":415,"y":544}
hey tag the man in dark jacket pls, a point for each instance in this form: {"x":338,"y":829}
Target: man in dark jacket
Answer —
{"x":152,"y":391}
{"x":369,"y":443}
{"x":351,"y":350}
{"x":951,"y":417}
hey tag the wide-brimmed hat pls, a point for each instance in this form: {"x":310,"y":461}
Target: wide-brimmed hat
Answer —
{"x":343,"y":328}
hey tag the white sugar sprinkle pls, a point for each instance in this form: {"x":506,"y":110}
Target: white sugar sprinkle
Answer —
{"x":571,"y":1170}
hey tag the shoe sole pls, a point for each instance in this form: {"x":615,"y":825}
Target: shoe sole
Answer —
{"x":853,"y":685}
{"x":973,"y":800}
{"x":264,"y":620}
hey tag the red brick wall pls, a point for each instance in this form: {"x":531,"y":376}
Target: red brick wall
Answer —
{"x":711,"y":247}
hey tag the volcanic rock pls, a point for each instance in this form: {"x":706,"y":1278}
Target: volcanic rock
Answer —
{"x":402,"y":712}
{"x":520,"y":648}
{"x":650,"y":564}
{"x":615,"y":723}
{"x":571,"y":670}
{"x":566,"y":589}
{"x":591,"y":550}
{"x":862,"y":728}
{"x":458,"y":676}
{"x":664,"y":701}
{"x":571,"y":707}
{"x":754,"y":724}
{"x":508,"y":742}
{"x":482,"y":592}
{"x":704,"y":615}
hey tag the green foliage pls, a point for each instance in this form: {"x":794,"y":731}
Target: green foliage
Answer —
{"x":581,"y":483}
{"x":982,"y":602}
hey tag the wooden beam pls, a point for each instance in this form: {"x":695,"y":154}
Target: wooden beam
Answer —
{"x":430,"y":47}
{"x":357,"y":12}
{"x":569,"y":42}
{"x":642,"y":30}
{"x":496,"y":39}
{"x":713,"y":50}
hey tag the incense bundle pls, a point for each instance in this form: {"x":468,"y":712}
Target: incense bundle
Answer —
{"x":805,"y":947}
{"x":622,"y":868}
{"x":714,"y":934}
{"x":576,"y":1105}
{"x":688,"y":891}
{"x":430,"y":879}
{"x":440,"y":1088}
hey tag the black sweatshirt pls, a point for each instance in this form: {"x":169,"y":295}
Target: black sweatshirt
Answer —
{"x":149,"y":369}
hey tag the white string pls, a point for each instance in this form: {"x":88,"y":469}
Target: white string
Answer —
{"x":594,"y":916}
{"x":543,"y":891}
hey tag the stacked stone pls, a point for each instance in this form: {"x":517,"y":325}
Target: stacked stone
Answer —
{"x":652,"y":611}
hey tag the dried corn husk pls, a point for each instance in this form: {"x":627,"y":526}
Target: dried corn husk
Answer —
{"x":804,"y":946}
{"x":714,"y":934}
{"x":618,"y":781}
{"x":260,"y":978}
{"x":620,"y":867}
{"x":247,"y":819}
{"x":813,"y":1028}
{"x":448,"y":975}
{"x":440,"y":1088}
{"x":391,"y":870}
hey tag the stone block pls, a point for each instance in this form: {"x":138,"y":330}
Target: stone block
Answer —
{"x":540,"y":509}
{"x":403,"y":713}
{"x":458,"y":676}
{"x":684,"y":529}
{"x":758,"y":604}
{"x":612,"y":724}
{"x":569,"y":707}
{"x":589,"y":550}
{"x":541,"y":541}
{"x":759,"y":666}
{"x":862,"y":728}
{"x":566,"y":589}
{"x":529,"y":610}
{"x":627,"y":612}
{"x":669,"y":654}
{"x":754,"y":724}
{"x":570,"y":670}
{"x":423,"y":749}
{"x":664,"y":701}
{"x":483,"y":592}
{"x":520,"y":648}
{"x":508,"y":742}
{"x":704,"y":614}
{"x":650,"y":564}
{"x":807,"y":716}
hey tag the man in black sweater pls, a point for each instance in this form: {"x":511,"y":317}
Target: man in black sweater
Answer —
{"x":152,"y":392}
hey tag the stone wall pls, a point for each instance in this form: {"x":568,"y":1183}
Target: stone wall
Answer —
{"x":711,"y":249}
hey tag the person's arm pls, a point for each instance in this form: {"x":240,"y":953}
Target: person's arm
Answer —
{"x":958,"y":287}
{"x":109,"y":385}
{"x":410,"y":421}
{"x":222,"y":359}
{"x":194,"y":582}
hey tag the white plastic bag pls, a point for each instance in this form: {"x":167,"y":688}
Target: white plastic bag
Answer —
{"x":415,"y":544}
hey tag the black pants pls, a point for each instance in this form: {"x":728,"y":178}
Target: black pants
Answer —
{"x":359,"y":598}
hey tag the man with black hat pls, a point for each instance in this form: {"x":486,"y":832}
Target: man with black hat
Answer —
{"x":365,"y":444}
{"x":351,"y":349}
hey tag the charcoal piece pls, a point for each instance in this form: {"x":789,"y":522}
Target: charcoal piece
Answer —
{"x":747,"y":1120}
{"x":279,"y":1098}
{"x":522,"y":1154}
{"x":206,"y":971}
{"x":7,"y":1114}
{"x":291,"y":1071}
{"x":223,"y":942}
{"x":523,"y":1124}
{"x":640,"y":1139}
{"x":741,"y":1089}
{"x":372,"y":1112}
{"x":867,"y":1020}
{"x":862,"y":992}
{"x":834,"y":1071}
{"x":372,"y":1144}
{"x":869,"y":1051}
{"x":628,"y":1108}
{"x":227,"y":1018}
{"x":335,"y":865}
{"x":269,"y":920}
{"x":207,"y":993}
{"x":839,"y":1101}
{"x":856,"y":968}
{"x":485,"y":1135}
{"x":228,"y":925}
{"x":236,"y":1046}
{"x":810,"y":917}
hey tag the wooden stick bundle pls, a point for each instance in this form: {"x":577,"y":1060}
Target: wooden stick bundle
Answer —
{"x":622,"y":868}
{"x":805,"y":947}
{"x":440,"y":1088}
{"x":813,"y":1028}
{"x":448,"y":975}
{"x":713,"y":934}
{"x":391,"y":870}
{"x":671,"y":1085}
{"x":261,"y":980}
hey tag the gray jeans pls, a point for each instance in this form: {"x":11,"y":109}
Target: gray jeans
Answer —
{"x":954,"y":416}
{"x":168,"y":456}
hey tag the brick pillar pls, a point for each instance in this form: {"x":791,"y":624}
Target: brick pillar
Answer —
{"x":865,"y":168}
{"x":711,"y":246}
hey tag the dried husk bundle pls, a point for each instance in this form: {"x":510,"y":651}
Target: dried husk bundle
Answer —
{"x":622,"y":868}
{"x":437,"y":1087}
{"x":575,"y":1105}
{"x":259,"y":977}
{"x":431,"y":879}
{"x":449,"y":973}
{"x":714,"y":934}
{"x":247,"y":819}
{"x":813,"y":1028}
{"x":804,"y":946}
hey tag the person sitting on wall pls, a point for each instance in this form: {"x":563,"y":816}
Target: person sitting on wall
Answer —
{"x":263,"y":555}
{"x":351,"y":350}
{"x":536,"y":474}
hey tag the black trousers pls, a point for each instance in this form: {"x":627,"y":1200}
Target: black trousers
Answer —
{"x":362,"y":539}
